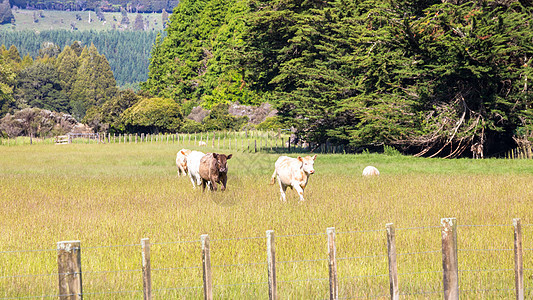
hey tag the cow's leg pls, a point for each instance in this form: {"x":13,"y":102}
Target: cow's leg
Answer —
{"x":223,"y":181}
{"x":204,"y":183}
{"x":282,"y":189}
{"x":273,"y":177}
{"x":299,"y":190}
{"x":192,"y":181}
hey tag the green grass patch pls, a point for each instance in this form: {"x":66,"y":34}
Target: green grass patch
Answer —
{"x":109,"y":195}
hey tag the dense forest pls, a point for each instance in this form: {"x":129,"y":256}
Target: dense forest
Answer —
{"x":105,"y":5}
{"x":128,"y":52}
{"x":428,"y":77}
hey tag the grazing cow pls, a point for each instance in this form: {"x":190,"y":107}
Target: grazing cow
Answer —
{"x":181,"y":161}
{"x":293,"y":172}
{"x":477,"y":150}
{"x":213,"y":170}
{"x":202,"y":144}
{"x":370,"y":171}
{"x":193,"y":166}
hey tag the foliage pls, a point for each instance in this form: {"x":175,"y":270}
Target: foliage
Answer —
{"x":153,"y":115}
{"x":36,"y":122}
{"x":127,"y":52}
{"x":7,"y":82}
{"x":219,"y":119}
{"x":39,"y":86}
{"x":94,"y":82}
{"x":196,"y":60}
{"x":108,"y":117}
{"x":6,"y":15}
{"x":272,"y":123}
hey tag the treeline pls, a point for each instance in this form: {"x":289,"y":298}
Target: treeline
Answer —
{"x":71,"y":80}
{"x":143,"y":6}
{"x":428,"y":77}
{"x":78,"y":80}
{"x":128,"y":52}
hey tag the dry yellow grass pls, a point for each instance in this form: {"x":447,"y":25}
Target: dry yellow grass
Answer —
{"x":110,"y":196}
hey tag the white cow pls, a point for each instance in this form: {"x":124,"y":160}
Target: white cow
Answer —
{"x":202,"y":144}
{"x":370,"y":171}
{"x":193,"y":165}
{"x":293,"y":172}
{"x":181,"y":161}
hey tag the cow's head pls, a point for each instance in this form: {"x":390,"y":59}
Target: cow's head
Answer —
{"x":308,"y":164}
{"x":221,"y":162}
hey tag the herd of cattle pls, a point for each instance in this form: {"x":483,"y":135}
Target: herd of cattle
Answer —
{"x":210,"y":169}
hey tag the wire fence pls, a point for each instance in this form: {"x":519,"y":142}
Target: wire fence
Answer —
{"x":351,"y":264}
{"x":246,"y":141}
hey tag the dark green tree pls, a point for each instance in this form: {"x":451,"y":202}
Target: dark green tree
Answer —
{"x":6,"y":15}
{"x":38,"y":86}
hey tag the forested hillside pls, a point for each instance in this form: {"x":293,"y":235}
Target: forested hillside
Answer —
{"x":428,"y":77}
{"x":128,"y":52}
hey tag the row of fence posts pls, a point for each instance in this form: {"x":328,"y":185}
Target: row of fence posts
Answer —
{"x":520,"y":153}
{"x":70,"y":274}
{"x":252,"y":141}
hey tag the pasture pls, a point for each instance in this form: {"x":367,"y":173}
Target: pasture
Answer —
{"x":110,"y":196}
{"x":55,"y":19}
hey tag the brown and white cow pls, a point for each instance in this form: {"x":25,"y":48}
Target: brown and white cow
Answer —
{"x":293,"y":172}
{"x":213,"y":170}
{"x":181,"y":161}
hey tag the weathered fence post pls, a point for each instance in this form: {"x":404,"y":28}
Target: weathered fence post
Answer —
{"x":146,"y":269}
{"x":393,"y":265}
{"x":518,"y":262}
{"x":213,"y":142}
{"x":332,"y":263}
{"x":450,"y":264}
{"x":69,"y":269}
{"x":271,"y":258}
{"x":206,"y":267}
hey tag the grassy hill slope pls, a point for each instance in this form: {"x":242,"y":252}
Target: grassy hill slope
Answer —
{"x":53,"y":19}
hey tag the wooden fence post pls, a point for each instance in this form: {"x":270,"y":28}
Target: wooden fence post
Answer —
{"x":213,"y":142}
{"x":518,"y":262}
{"x":69,"y":269}
{"x":450,"y":264}
{"x":206,"y":266}
{"x":332,"y":263}
{"x":393,"y":265}
{"x":146,"y":269}
{"x":271,"y":258}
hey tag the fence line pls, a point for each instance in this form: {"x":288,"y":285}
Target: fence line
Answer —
{"x":70,"y":270}
{"x":246,"y":141}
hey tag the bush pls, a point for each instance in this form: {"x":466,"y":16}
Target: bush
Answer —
{"x":273,"y":123}
{"x":153,"y":115}
{"x":189,"y":125}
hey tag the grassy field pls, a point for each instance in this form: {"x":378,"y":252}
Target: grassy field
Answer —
{"x":110,"y":196}
{"x":53,"y":19}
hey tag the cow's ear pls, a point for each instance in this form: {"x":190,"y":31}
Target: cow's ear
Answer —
{"x":300,"y":158}
{"x":229,"y":156}
{"x":182,"y":152}
{"x":314,"y":157}
{"x":215,"y":155}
